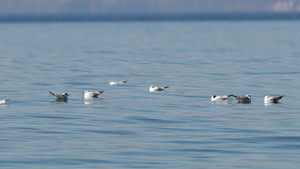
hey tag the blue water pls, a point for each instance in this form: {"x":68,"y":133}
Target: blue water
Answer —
{"x":132,"y":128}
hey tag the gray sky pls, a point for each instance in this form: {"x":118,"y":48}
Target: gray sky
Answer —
{"x":144,"y":6}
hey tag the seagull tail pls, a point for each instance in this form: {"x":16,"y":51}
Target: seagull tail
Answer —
{"x":7,"y":100}
{"x":52,"y":93}
{"x":166,"y":87}
{"x":232,"y":95}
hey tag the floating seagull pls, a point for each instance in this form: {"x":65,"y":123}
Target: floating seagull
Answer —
{"x":117,"y":83}
{"x":89,"y":95}
{"x":269,"y":99}
{"x":218,"y":98}
{"x":243,"y":99}
{"x":4,"y":101}
{"x":63,"y":96}
{"x":154,"y":89}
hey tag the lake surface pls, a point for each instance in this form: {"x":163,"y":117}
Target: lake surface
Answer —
{"x":132,"y":128}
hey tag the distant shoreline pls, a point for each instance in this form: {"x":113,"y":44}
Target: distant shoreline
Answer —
{"x":150,"y":17}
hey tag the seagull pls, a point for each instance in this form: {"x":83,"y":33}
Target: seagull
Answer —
{"x":218,"y":98}
{"x":63,"y":96}
{"x":4,"y":101}
{"x":154,"y":89}
{"x":270,"y":99}
{"x":88,"y":95}
{"x":243,"y":99}
{"x":117,"y":83}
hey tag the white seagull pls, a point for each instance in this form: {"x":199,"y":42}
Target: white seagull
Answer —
{"x":154,"y":89}
{"x":89,"y":95}
{"x":270,"y":99}
{"x":63,"y":96}
{"x":218,"y":98}
{"x":117,"y":83}
{"x":4,"y":101}
{"x":243,"y":99}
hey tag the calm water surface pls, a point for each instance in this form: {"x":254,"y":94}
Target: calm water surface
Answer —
{"x":132,"y":128}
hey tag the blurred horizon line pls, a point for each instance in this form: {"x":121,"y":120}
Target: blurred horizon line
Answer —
{"x":151,"y":17}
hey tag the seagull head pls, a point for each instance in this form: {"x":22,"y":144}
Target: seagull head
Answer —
{"x":65,"y":94}
{"x":85,"y":91}
{"x":266,"y":98}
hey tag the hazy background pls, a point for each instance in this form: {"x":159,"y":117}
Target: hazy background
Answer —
{"x":123,"y":8}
